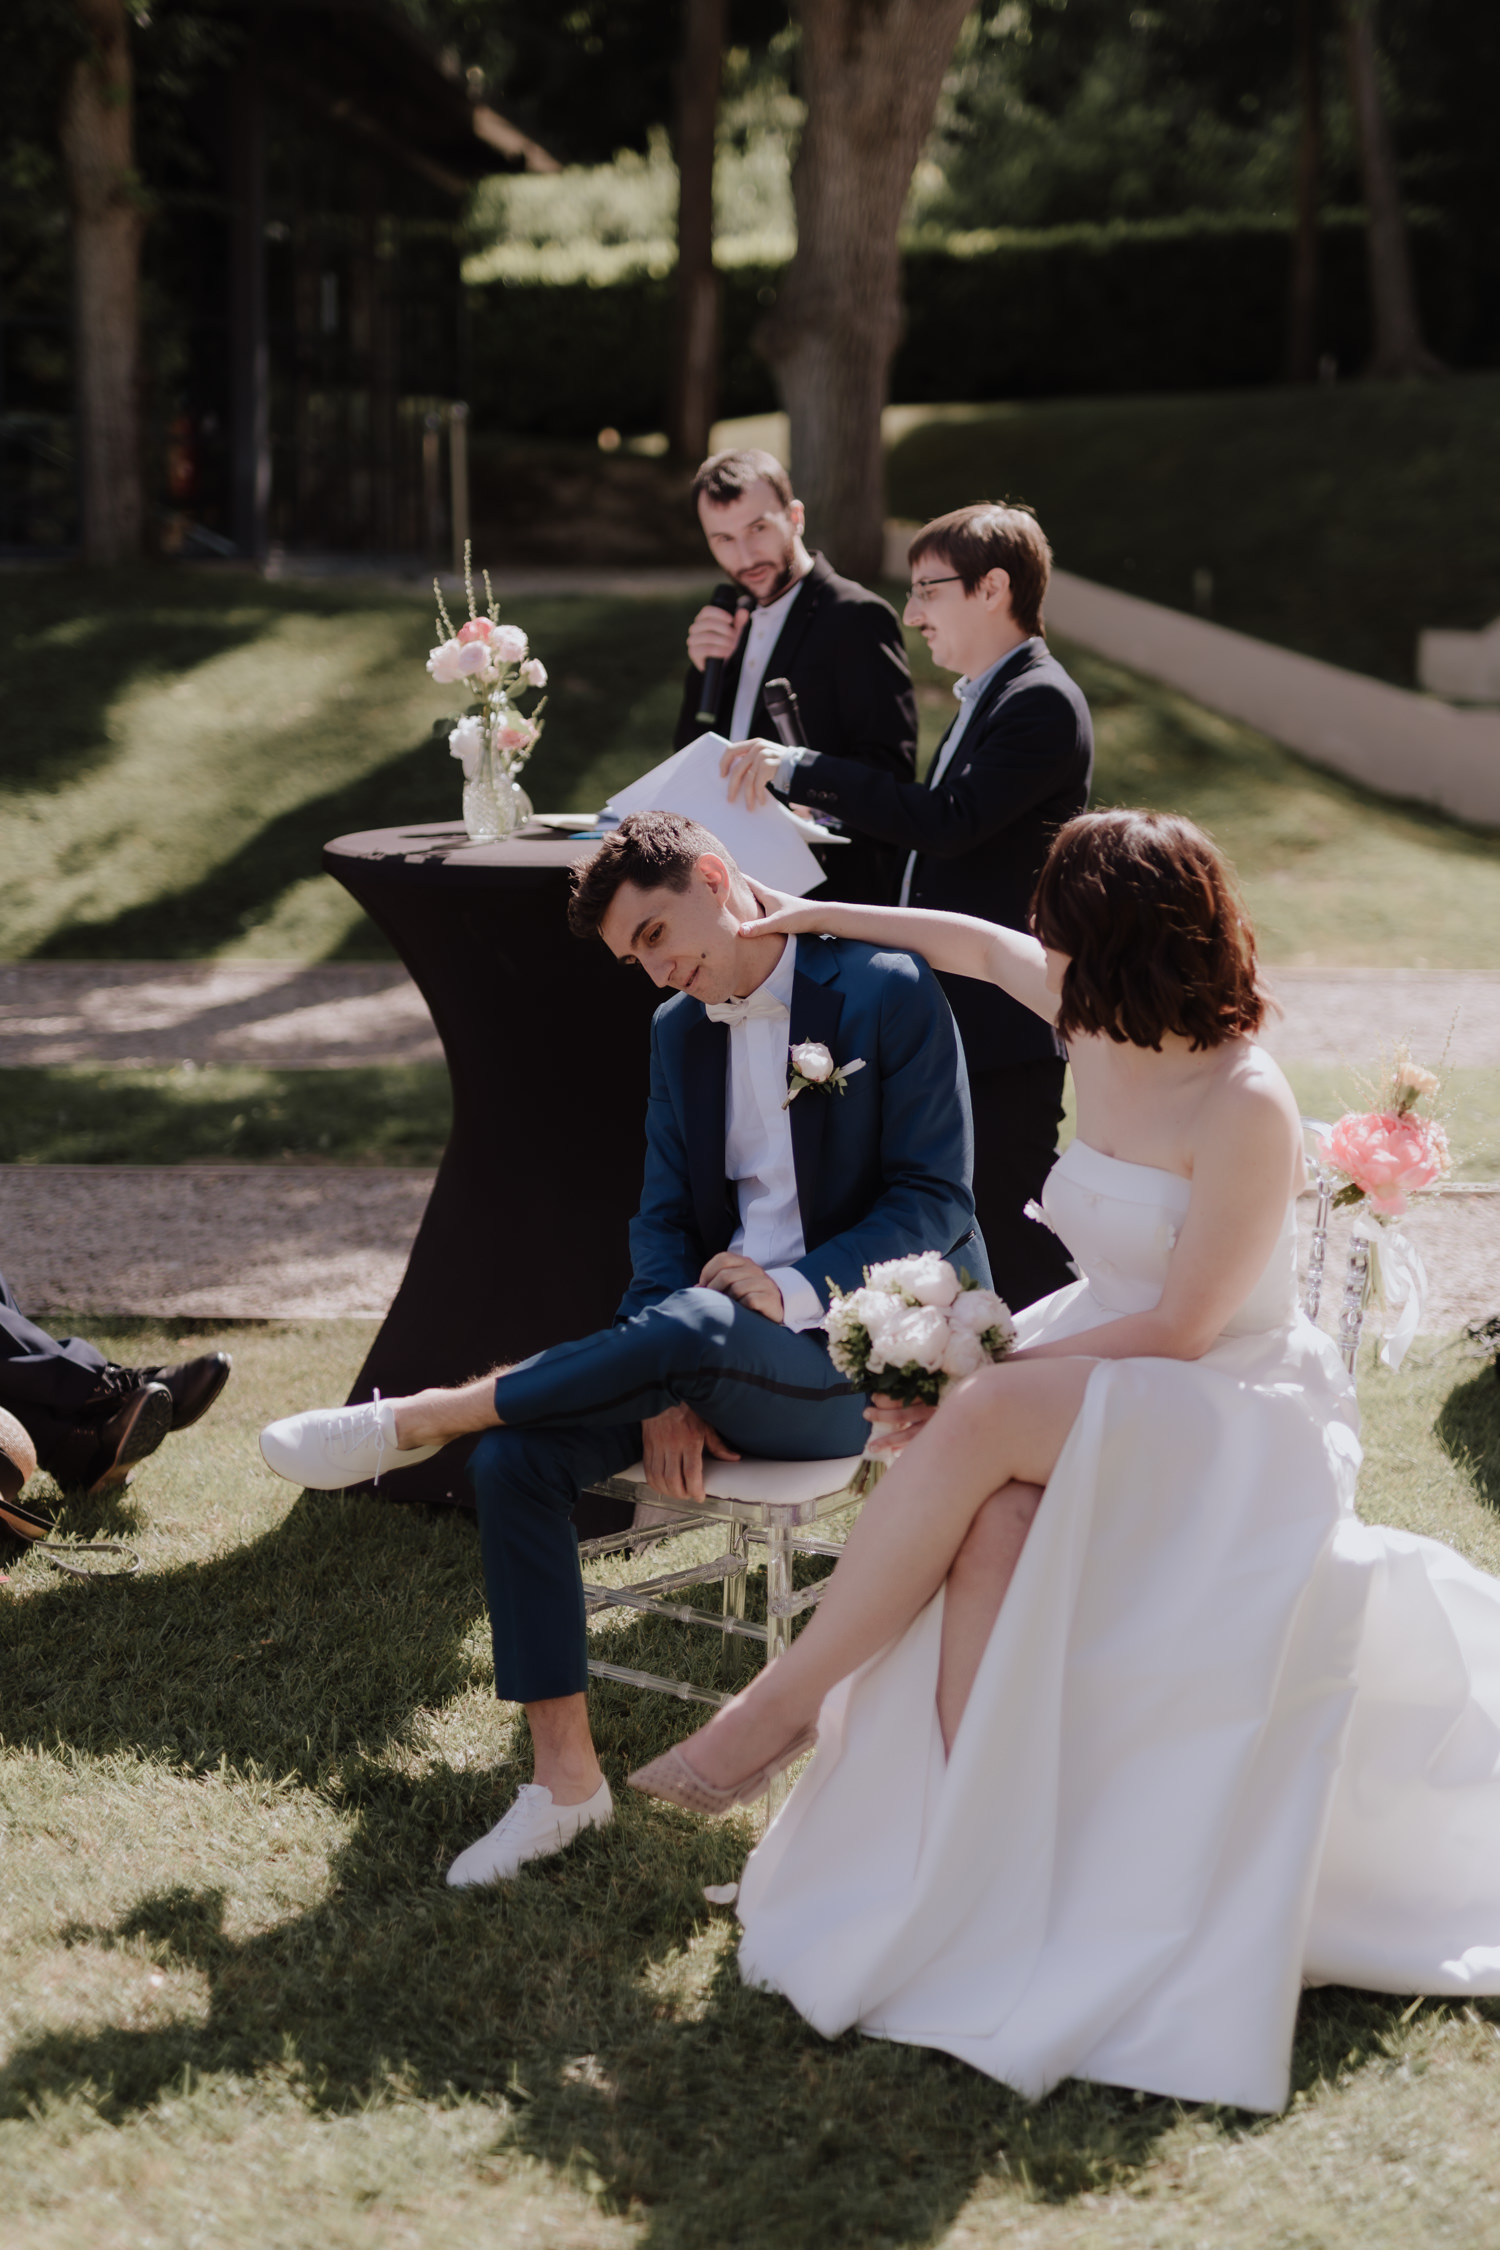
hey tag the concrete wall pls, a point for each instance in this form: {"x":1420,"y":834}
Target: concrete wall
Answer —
{"x":1403,"y":744}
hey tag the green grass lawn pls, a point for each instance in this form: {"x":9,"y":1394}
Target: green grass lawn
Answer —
{"x":1338,"y":521}
{"x":241,"y":2006}
{"x":180,"y":743}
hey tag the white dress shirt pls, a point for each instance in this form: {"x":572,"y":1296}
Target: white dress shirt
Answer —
{"x":758,"y":1149}
{"x":968,"y":693}
{"x":761,"y":635}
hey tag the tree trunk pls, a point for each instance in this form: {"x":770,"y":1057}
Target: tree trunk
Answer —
{"x":1302,"y":308}
{"x":695,"y":339}
{"x":1399,"y":348}
{"x":871,"y":74}
{"x":97,"y":134}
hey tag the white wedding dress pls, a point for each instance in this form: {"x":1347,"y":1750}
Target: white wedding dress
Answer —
{"x":1225,"y":1739}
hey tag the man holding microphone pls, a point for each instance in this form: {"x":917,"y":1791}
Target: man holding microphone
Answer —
{"x":1015,"y":764}
{"x":837,"y":644}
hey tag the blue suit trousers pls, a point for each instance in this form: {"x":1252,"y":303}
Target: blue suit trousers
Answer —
{"x":573,"y":1415}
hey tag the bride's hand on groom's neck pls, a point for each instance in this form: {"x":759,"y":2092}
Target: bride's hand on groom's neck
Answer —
{"x":782,"y":916}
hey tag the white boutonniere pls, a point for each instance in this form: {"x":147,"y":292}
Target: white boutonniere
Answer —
{"x":813,"y":1065}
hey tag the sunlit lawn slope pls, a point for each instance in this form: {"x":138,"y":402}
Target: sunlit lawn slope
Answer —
{"x":1338,"y":520}
{"x":178,"y":745}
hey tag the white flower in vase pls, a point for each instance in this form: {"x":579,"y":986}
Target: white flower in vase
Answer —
{"x":467,"y":742}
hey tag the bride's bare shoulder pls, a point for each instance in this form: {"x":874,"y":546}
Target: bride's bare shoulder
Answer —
{"x":1251,"y":1096}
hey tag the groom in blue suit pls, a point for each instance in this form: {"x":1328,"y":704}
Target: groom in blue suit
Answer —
{"x":753,"y":1207}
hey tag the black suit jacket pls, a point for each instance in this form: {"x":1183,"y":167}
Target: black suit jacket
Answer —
{"x":842,"y":650}
{"x":1022,"y":768}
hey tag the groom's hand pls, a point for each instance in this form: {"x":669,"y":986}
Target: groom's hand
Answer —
{"x":672,"y":1446}
{"x":745,"y":1281}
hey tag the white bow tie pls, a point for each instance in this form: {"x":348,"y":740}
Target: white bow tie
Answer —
{"x":760,"y":1003}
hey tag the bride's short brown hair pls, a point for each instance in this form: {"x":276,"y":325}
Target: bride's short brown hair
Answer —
{"x":1145,"y":906}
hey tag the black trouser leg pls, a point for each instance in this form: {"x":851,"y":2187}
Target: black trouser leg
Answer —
{"x":1017,"y":1110}
{"x":39,"y":1370}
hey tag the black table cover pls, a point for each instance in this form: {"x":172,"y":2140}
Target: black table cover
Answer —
{"x":524,"y":1240}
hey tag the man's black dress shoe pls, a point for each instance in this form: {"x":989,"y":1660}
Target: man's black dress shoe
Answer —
{"x":194,"y":1384}
{"x":135,"y":1428}
{"x":100,"y":1445}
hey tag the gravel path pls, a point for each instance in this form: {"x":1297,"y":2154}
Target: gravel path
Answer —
{"x":152,"y":1014}
{"x":289,"y":1242}
{"x":260,"y":1242}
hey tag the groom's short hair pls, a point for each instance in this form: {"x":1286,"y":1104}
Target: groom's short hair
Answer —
{"x":654,"y":850}
{"x":993,"y":536}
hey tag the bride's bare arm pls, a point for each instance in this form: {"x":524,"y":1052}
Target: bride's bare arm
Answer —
{"x":957,"y":943}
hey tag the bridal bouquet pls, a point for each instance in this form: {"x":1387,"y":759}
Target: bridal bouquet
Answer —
{"x":916,"y":1326}
{"x":1386,"y":1155}
{"x":495,"y":737}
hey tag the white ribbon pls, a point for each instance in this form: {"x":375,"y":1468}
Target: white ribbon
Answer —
{"x":1400,"y":1280}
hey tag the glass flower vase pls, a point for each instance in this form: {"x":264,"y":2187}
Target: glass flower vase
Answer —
{"x":490,"y":809}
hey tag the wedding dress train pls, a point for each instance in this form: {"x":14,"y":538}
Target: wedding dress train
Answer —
{"x":1225,"y":1738}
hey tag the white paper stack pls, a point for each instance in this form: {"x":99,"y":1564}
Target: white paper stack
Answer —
{"x":768,"y":843}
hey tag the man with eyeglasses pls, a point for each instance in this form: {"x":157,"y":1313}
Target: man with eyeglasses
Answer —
{"x":1013,"y":766}
{"x":837,"y":643}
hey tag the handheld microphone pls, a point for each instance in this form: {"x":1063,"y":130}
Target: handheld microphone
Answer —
{"x":784,"y":712}
{"x":731,"y":600}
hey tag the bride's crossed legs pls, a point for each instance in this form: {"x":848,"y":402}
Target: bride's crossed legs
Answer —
{"x":957,"y":1505}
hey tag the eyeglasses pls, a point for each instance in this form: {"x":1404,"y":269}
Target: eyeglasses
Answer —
{"x":919,"y":591}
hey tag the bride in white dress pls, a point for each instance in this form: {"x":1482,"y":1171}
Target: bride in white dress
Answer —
{"x":1107,"y":1771}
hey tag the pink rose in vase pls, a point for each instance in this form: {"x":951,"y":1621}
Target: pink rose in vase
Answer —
{"x":1388,"y":1158}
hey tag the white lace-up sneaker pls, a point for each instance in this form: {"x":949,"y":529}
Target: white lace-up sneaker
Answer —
{"x":533,"y":1828}
{"x":332,"y":1447}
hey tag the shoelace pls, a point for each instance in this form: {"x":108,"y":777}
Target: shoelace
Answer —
{"x":352,"y":1430}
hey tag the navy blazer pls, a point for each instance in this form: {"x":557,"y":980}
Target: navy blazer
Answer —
{"x":1022,"y":769}
{"x":841,"y":648}
{"x":883,"y":1169}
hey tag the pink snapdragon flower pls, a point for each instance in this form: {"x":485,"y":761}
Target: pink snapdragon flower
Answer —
{"x":1389,"y":1158}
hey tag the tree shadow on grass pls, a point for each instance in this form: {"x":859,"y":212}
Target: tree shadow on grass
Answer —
{"x":1468,"y":1429}
{"x":594,"y":2004}
{"x":629,"y":648}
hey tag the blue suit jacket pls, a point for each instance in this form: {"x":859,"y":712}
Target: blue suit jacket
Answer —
{"x":883,"y":1169}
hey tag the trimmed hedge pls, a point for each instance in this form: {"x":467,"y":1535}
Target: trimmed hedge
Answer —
{"x":1169,"y":305}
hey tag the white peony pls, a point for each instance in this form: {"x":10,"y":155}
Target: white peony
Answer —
{"x":881,"y":1318}
{"x":534,"y":672}
{"x":965,"y":1354}
{"x":467,"y":742}
{"x":812,"y":1061}
{"x":979,"y":1309}
{"x":508,"y":645}
{"x":933,"y":1281}
{"x":919,"y":1335}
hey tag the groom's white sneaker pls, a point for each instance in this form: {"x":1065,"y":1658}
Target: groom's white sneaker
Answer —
{"x":533,"y":1828}
{"x":331,"y":1447}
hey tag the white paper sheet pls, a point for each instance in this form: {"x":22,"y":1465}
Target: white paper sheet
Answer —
{"x":767,"y":843}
